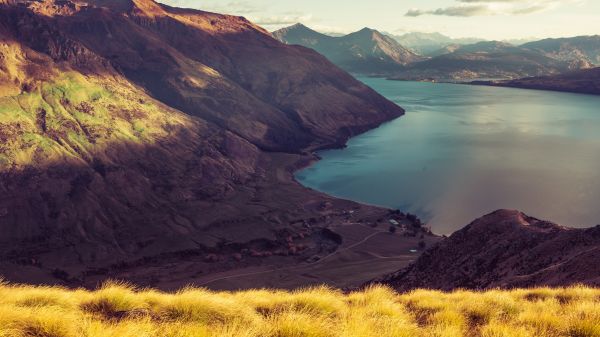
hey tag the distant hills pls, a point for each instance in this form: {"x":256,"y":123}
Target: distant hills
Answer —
{"x":586,"y":48}
{"x":585,"y":81}
{"x":489,"y":59}
{"x":436,"y":57}
{"x":366,"y":51}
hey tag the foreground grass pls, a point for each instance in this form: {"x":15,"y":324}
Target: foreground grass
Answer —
{"x":121,"y":311}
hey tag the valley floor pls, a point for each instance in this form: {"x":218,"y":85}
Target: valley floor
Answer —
{"x":120,"y":310}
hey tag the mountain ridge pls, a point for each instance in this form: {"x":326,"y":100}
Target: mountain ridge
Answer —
{"x":365,"y":51}
{"x":487,"y":60}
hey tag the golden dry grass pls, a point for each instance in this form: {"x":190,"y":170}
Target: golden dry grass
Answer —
{"x":119,"y":310}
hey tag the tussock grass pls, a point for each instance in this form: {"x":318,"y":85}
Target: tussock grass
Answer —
{"x":120,"y":310}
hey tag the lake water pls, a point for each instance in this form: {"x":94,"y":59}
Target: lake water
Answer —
{"x":463,"y":151}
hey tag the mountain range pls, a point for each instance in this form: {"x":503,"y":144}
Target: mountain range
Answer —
{"x":366,"y":51}
{"x":433,"y":56}
{"x":573,"y":49}
{"x":585,"y":81}
{"x":489,"y":59}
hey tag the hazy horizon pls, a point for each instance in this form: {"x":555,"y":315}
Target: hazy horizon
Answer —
{"x":485,"y":19}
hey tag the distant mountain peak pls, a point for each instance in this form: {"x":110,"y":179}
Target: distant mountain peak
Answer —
{"x":364,"y":51}
{"x":367,"y":30}
{"x":297,"y":26}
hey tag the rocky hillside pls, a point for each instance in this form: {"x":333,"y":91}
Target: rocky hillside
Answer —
{"x":506,"y":249}
{"x":573,"y":49}
{"x":487,"y":60}
{"x":134,"y":133}
{"x":366,"y":51}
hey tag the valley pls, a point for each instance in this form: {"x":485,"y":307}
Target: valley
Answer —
{"x":176,"y":172}
{"x":171,"y":153}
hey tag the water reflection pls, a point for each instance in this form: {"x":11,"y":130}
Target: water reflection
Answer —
{"x":463,"y":151}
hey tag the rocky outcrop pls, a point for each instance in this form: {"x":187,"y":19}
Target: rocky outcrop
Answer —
{"x":506,"y":249}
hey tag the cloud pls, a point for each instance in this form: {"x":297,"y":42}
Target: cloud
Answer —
{"x":231,"y":7}
{"x":248,"y":9}
{"x":280,"y":20}
{"x":468,"y":8}
{"x":452,"y":11}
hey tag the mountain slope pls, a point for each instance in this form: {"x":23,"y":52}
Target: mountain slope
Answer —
{"x":583,"y":81}
{"x":136,"y":134}
{"x":573,"y":49}
{"x":487,"y":60}
{"x":506,"y":249}
{"x":366,"y":51}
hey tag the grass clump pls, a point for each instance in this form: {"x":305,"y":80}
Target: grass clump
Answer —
{"x":120,"y":310}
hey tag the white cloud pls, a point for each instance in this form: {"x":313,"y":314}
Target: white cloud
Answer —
{"x":280,"y":20}
{"x":468,"y":8}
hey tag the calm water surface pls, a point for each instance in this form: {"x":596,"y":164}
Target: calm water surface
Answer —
{"x":464,"y":151}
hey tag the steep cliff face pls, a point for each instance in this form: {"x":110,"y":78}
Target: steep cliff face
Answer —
{"x":506,"y":249}
{"x":130,"y":130}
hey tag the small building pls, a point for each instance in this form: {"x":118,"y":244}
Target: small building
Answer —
{"x":394,"y":222}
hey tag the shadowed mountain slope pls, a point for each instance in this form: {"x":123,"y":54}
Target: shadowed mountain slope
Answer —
{"x":366,"y":51}
{"x":134,"y":133}
{"x":506,"y":249}
{"x":583,"y":82}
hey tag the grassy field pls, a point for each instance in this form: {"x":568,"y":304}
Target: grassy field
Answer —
{"x":122,"y":311}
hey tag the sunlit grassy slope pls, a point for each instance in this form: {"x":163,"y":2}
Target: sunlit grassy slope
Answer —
{"x":72,"y":116}
{"x":121,"y":311}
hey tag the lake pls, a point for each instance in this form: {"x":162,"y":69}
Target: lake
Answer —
{"x":464,"y":151}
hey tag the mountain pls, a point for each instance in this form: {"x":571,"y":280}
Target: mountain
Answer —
{"x":366,"y":51}
{"x":485,"y":60}
{"x":428,"y":43}
{"x":573,"y":49}
{"x":506,"y":249}
{"x":449,"y":49}
{"x":154,"y":143}
{"x":583,"y":81}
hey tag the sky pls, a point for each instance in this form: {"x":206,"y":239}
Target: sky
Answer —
{"x":488,"y":19}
